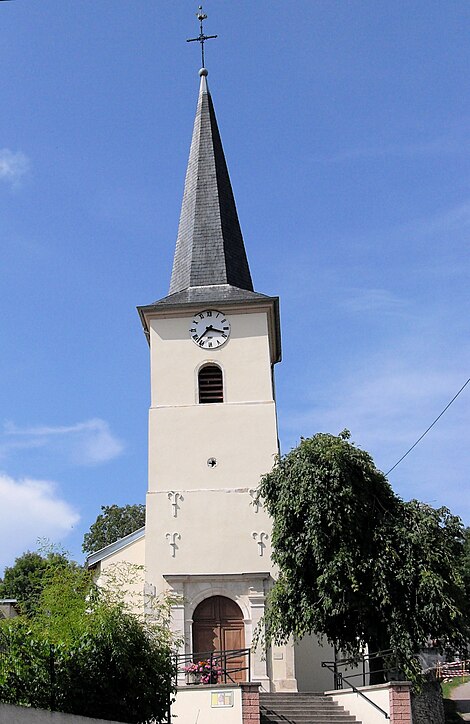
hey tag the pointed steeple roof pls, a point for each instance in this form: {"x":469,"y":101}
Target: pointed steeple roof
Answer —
{"x":210,"y":265}
{"x":210,"y":261}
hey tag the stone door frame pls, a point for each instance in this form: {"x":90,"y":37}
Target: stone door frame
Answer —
{"x":247,"y":590}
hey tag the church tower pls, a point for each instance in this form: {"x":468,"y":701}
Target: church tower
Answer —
{"x":214,"y":342}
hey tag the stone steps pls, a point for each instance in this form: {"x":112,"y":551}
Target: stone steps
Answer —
{"x":295,"y":708}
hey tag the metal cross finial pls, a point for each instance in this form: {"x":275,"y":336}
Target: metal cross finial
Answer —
{"x":201,"y":38}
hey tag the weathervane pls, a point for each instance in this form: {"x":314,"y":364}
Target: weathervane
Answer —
{"x":201,"y":38}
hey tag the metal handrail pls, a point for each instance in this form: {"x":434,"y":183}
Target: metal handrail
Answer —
{"x":365,"y":659}
{"x":216,"y":660}
{"x":326,"y":664}
{"x":339,"y":677}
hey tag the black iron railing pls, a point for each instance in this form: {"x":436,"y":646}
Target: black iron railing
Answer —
{"x":214,"y":667}
{"x":379,"y":663}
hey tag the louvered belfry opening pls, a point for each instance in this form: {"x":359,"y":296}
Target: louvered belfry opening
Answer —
{"x":211,"y":388}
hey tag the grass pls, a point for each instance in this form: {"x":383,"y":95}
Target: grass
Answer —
{"x":451,"y":713}
{"x":447,"y":686}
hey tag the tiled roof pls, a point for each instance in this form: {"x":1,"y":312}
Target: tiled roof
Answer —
{"x":210,"y":266}
{"x":209,"y":247}
{"x":209,"y":293}
{"x":118,"y":545}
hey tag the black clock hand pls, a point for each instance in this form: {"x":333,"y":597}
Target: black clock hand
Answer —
{"x":210,"y":328}
{"x":204,"y":334}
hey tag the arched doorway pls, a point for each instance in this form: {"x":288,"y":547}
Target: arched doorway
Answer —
{"x":218,"y":626}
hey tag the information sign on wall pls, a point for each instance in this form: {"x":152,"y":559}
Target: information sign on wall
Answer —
{"x":220,"y":699}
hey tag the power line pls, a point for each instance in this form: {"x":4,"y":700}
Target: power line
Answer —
{"x":430,"y":426}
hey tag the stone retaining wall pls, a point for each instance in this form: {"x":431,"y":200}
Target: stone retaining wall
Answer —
{"x":427,"y":705}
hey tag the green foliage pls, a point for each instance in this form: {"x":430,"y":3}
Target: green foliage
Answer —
{"x":357,"y":564}
{"x":113,"y":523}
{"x":465,"y":562}
{"x":84,"y":652}
{"x":25,"y":580}
{"x":64,"y":605}
{"x":426,"y":595}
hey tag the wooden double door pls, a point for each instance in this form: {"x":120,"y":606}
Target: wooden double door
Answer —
{"x":218,"y":626}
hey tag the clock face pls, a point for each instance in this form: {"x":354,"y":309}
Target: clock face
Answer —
{"x":209,"y":329}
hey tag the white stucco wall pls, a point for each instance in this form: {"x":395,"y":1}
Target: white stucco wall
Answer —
{"x":244,"y":359}
{"x":309,"y":654}
{"x":193,"y":704}
{"x":362,"y":709}
{"x":215,"y":534}
{"x":125,"y":569}
{"x":132,"y":554}
{"x":216,"y":528}
{"x":242,"y":438}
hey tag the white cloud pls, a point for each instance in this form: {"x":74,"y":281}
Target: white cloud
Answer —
{"x":30,"y":509}
{"x":388,"y":401}
{"x":439,"y":146}
{"x":449,"y":225}
{"x":13,"y":166}
{"x":390,"y":405}
{"x":372,"y":300}
{"x":85,"y":443}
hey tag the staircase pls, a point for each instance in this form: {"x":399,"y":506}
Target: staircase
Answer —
{"x":281,"y":708}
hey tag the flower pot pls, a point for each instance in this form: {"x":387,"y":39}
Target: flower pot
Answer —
{"x":193,"y":678}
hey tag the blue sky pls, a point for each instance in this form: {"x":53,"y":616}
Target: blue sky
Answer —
{"x":346,"y":128}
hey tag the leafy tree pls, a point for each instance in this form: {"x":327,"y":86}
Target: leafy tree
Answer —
{"x":357,"y":564}
{"x":466,"y":560}
{"x":25,"y":580}
{"x":113,"y":523}
{"x":465,"y":571}
{"x":84,"y":652}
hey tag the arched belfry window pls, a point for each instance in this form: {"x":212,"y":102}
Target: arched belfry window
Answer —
{"x":210,"y":384}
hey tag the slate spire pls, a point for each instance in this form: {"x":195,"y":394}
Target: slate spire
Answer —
{"x":209,"y":248}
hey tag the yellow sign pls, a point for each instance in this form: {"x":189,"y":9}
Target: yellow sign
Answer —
{"x":221,"y":699}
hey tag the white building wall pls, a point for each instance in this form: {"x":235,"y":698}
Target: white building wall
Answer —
{"x":244,"y":358}
{"x":310,"y":675}
{"x":124,"y":570}
{"x":212,"y":526}
{"x":195,"y":704}
{"x":205,"y":533}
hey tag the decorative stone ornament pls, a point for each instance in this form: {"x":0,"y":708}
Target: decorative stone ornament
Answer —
{"x":255,"y":500}
{"x":172,"y":538}
{"x":260,"y":538}
{"x":173,"y":497}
